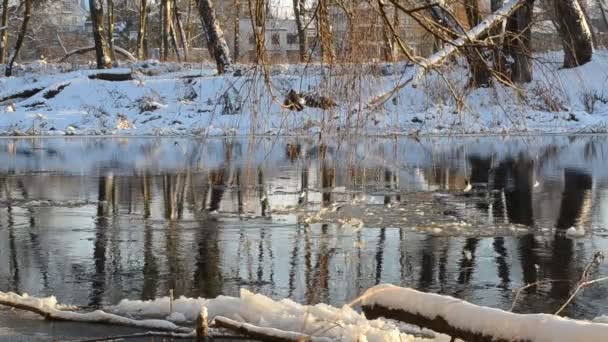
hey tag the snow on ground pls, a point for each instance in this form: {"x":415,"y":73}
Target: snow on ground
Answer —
{"x":488,"y":321}
{"x":173,"y":99}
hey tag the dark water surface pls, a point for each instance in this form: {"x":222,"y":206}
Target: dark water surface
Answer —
{"x":93,"y":221}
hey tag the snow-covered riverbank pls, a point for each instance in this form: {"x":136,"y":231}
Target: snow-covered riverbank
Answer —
{"x":172,"y":99}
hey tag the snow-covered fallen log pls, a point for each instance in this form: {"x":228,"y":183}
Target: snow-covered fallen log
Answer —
{"x":51,"y":310}
{"x":461,"y":319}
{"x":264,"y":334}
{"x":484,"y":26}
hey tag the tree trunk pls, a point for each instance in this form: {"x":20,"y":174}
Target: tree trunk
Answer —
{"x":110,"y":4}
{"x":298,"y":10}
{"x":592,"y":30}
{"x":518,"y":39}
{"x":325,"y":34}
{"x":166,"y":28}
{"x":480,"y":73}
{"x":388,"y":50}
{"x":574,"y":32}
{"x":257,"y":9}
{"x":182,"y":32}
{"x":141,"y":34}
{"x":600,"y":5}
{"x":216,"y":44}
{"x":101,"y":48}
{"x":237,"y":30}
{"x":173,"y":37}
{"x":20,"y":38}
{"x":4,"y":32}
{"x":497,"y":34}
{"x":457,"y":44}
{"x":189,"y":23}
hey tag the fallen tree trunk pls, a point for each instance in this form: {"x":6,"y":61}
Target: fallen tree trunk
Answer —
{"x":483,"y":27}
{"x":112,"y":76}
{"x":47,"y":308}
{"x":470,"y":322}
{"x":261,"y":333}
{"x":87,"y":49}
{"x":21,"y":94}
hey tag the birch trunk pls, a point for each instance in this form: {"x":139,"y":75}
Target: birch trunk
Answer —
{"x":4,"y":32}
{"x":298,"y":9}
{"x":101,"y":48}
{"x":141,"y":34}
{"x":574,"y":32}
{"x":216,"y":43}
{"x":20,"y":38}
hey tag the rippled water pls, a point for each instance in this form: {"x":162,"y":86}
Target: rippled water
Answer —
{"x":96,"y":220}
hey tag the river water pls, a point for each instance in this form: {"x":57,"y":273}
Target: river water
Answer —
{"x":95,"y":220}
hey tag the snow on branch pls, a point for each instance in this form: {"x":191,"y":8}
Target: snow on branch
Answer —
{"x":51,"y":310}
{"x":485,"y":25}
{"x":461,"y":319}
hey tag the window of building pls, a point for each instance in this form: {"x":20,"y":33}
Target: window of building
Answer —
{"x":292,"y":38}
{"x":275,"y":38}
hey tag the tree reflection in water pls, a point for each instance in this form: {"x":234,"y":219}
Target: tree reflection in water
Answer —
{"x":216,"y":220}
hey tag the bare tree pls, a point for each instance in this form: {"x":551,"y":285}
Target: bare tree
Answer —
{"x":101,"y":47}
{"x":20,"y":38}
{"x":166,"y":28}
{"x":574,"y":32}
{"x":257,"y":12}
{"x":216,"y":43}
{"x":237,"y":30}
{"x":141,"y":33}
{"x":600,"y":5}
{"x":298,"y":11}
{"x":180,"y":29}
{"x":497,"y":36}
{"x":110,"y":5}
{"x":173,"y":37}
{"x":518,"y":39}
{"x":4,"y":32}
{"x":389,"y":41}
{"x":325,"y":33}
{"x":480,"y":73}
